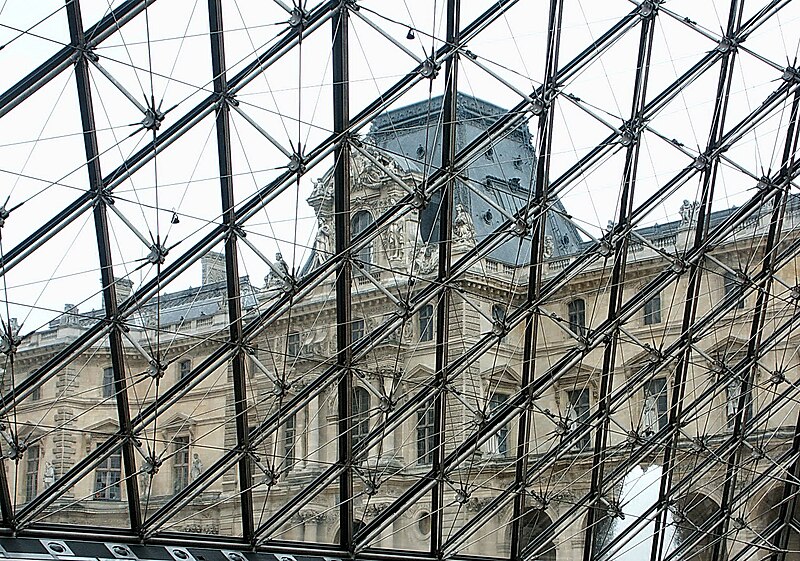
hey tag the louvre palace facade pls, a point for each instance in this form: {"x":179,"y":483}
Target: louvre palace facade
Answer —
{"x":189,"y":483}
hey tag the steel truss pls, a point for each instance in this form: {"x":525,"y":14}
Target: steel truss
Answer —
{"x":245,"y":476}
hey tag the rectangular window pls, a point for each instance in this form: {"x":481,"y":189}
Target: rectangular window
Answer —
{"x":36,"y":394}
{"x":578,"y":415}
{"x":426,"y":426}
{"x":426,"y":323}
{"x":31,"y":472}
{"x":289,"y":441}
{"x":733,"y":285}
{"x":108,"y":382}
{"x":357,"y":331}
{"x":293,"y":345}
{"x":654,"y":411}
{"x":499,"y":441}
{"x":180,"y":463}
{"x":652,"y":310}
{"x":107,"y":477}
{"x":185,"y":366}
{"x":576,"y":315}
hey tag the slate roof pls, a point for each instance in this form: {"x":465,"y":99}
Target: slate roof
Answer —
{"x":498,"y":183}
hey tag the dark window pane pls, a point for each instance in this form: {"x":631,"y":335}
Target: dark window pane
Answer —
{"x":425,"y":433}
{"x":576,"y":311}
{"x":652,"y":310}
{"x":108,"y":382}
{"x":426,"y":323}
{"x":361,"y":403}
{"x":180,"y":463}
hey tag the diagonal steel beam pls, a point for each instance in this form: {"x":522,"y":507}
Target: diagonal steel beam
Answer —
{"x":234,"y":300}
{"x":344,"y":277}
{"x":620,"y":259}
{"x":716,"y":136}
{"x":756,"y":330}
{"x":106,"y":265}
{"x":542,"y":184}
{"x":445,"y":244}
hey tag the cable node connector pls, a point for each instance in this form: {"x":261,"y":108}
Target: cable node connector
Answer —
{"x":158,"y":254}
{"x":791,"y":74}
{"x":9,"y":344}
{"x":648,"y":8}
{"x":152,"y":119}
{"x":151,"y":465}
{"x":429,"y":69}
{"x":3,"y":215}
{"x":726,"y":45}
{"x":296,"y":164}
{"x":156,"y":369}
{"x":297,"y":18}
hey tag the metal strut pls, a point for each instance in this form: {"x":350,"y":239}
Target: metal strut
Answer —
{"x":83,"y":82}
{"x":232,"y":267}
{"x":341,"y":202}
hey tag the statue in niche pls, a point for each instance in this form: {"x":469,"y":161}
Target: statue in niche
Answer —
{"x":688,"y":211}
{"x":322,"y":243}
{"x":463,"y":228}
{"x":49,"y":475}
{"x":649,"y":414}
{"x":734,"y":390}
{"x":197,"y":467}
{"x":395,"y":241}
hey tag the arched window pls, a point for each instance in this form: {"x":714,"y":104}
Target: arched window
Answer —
{"x":361,"y":402}
{"x":361,"y":220}
{"x":537,"y":528}
{"x":576,"y":312}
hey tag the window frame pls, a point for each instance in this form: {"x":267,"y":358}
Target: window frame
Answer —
{"x":33,"y":456}
{"x":500,"y":443}
{"x":732,"y":285}
{"x":293,"y":344}
{"x":360,"y":414}
{"x":357,"y":329}
{"x":651,"y":388}
{"x":180,"y":469}
{"x":575,"y":398}
{"x":576,"y":316}
{"x":426,"y":431}
{"x":652,"y":310}
{"x":426,"y":314}
{"x":360,"y":221}
{"x":108,"y":382}
{"x":104,"y":482}
{"x":184,"y":368}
